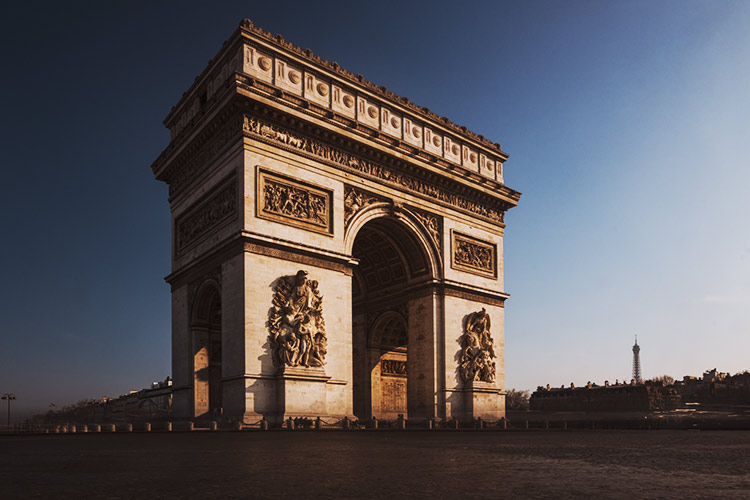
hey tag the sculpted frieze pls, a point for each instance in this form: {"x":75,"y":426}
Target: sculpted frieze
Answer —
{"x":210,"y":213}
{"x":474,"y":255}
{"x":390,"y":176}
{"x":477,"y":349}
{"x":393,"y":367}
{"x":294,"y":203}
{"x":193,"y":162}
{"x":296,"y":324}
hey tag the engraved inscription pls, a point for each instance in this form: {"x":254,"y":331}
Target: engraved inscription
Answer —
{"x":394,"y":395}
{"x":218,"y":208}
{"x":294,"y":203}
{"x":473,"y":255}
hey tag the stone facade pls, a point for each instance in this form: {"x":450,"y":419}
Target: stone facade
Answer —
{"x":337,"y":250}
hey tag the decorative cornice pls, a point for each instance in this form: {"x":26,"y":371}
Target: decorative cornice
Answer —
{"x":300,"y":78}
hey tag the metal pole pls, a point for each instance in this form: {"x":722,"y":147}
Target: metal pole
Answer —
{"x":8,"y":397}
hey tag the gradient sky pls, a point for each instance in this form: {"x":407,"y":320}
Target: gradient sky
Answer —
{"x":627,"y":124}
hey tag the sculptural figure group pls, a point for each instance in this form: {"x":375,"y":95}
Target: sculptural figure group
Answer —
{"x":298,"y":336}
{"x":478,"y":350}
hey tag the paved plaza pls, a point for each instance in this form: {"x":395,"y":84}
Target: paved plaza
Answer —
{"x":383,"y":464}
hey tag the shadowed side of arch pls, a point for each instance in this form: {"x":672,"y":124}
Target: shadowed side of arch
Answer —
{"x":206,"y":349}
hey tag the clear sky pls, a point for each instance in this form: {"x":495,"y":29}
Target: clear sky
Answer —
{"x":627,"y":124}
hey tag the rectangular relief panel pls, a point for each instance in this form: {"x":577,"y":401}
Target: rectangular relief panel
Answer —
{"x":473,"y":255}
{"x":294,"y":203}
{"x":207,"y":215}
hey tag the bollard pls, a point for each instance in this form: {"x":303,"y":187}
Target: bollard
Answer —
{"x":479,"y":423}
{"x":168,"y":426}
{"x":318,"y":423}
{"x":429,"y":424}
{"x":147,"y":427}
{"x":214,"y":426}
{"x":238,"y":425}
{"x":346,"y":423}
{"x":96,"y":428}
{"x":84,"y":428}
{"x":290,"y":424}
{"x":455,"y":423}
{"x":264,"y":424}
{"x":505,"y":424}
{"x":191,"y":426}
{"x":72,"y":429}
{"x":128,"y":427}
{"x":401,"y":422}
{"x":526,"y":424}
{"x":374,"y":423}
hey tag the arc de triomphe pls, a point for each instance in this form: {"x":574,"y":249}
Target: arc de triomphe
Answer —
{"x":336,"y":250}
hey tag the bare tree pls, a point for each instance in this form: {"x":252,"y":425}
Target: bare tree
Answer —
{"x":663,"y":380}
{"x":517,"y":400}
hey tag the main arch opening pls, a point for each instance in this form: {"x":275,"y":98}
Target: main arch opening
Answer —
{"x":206,"y":337}
{"x":388,"y":282}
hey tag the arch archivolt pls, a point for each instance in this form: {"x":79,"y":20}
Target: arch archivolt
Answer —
{"x":416,"y":227}
{"x":205,"y":294}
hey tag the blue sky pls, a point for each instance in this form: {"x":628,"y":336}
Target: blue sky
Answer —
{"x":626,"y":124}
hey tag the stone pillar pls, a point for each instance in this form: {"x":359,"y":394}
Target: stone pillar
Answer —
{"x":182,"y":398}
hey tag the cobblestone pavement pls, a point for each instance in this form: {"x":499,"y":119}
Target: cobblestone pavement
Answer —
{"x":382,"y":464}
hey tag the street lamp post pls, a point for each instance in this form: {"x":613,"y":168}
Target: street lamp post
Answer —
{"x":9,"y":397}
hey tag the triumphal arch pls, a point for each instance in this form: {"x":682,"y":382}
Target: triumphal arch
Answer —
{"x":336,"y":250}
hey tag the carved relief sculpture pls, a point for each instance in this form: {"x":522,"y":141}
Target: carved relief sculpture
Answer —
{"x":219,"y":207}
{"x":473,"y":255}
{"x":354,"y":201}
{"x":478,"y":351}
{"x":432,"y":224}
{"x":298,"y":334}
{"x":294,"y":203}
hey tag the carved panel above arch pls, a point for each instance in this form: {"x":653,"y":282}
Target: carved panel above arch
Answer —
{"x":473,"y":255}
{"x":211,"y":212}
{"x":294,"y":203}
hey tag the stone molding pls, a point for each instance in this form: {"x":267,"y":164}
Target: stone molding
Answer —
{"x":472,"y":255}
{"x":294,"y":203}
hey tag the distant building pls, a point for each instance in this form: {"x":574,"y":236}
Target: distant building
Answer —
{"x":620,"y":397}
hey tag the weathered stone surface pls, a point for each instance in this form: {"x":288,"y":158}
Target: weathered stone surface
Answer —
{"x":330,"y":241}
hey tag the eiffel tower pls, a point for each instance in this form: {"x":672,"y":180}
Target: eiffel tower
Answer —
{"x":637,"y":362}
